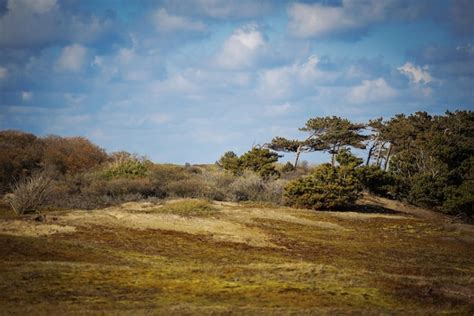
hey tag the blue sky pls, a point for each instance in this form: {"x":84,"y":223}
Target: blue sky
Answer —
{"x":185,"y":81}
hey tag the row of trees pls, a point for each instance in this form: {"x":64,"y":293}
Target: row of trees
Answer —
{"x":425,"y":159}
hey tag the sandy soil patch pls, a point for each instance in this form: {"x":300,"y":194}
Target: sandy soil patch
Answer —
{"x":219,"y":229}
{"x":248,"y":215}
{"x":32,"y":229}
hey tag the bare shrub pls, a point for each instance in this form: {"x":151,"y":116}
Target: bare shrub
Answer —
{"x":29,"y":193}
{"x":187,"y":188}
{"x":218,"y":184}
{"x":274,"y":191}
{"x":223,"y":186}
{"x":120,"y":187}
{"x":162,"y":175}
{"x":249,"y":186}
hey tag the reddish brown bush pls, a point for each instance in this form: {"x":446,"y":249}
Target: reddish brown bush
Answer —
{"x":70,"y":155}
{"x":20,"y":155}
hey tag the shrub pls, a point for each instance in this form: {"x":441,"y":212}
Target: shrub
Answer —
{"x":377,"y":181}
{"x":461,"y":200}
{"x":261,"y":161}
{"x":126,"y":166}
{"x":161,"y":175}
{"x":120,"y":187}
{"x":273,"y":192}
{"x":71,"y":155}
{"x":218,"y":184}
{"x":288,"y":167}
{"x":20,"y":155}
{"x":186,"y":188}
{"x":29,"y":193}
{"x":230,"y":162}
{"x":247,"y":187}
{"x":427,"y":190}
{"x":251,"y":187}
{"x":327,"y":187}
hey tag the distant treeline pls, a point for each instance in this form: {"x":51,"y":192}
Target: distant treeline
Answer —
{"x":424,"y":159}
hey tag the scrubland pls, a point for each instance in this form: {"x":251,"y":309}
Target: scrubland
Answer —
{"x":194,"y":256}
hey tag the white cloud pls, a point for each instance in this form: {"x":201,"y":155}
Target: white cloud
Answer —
{"x":415,"y":73}
{"x":315,"y":20}
{"x":35,"y":6}
{"x":3,"y":72}
{"x":165,"y":22}
{"x":129,"y":64}
{"x":72,"y":58}
{"x":42,"y":23}
{"x":285,"y":81}
{"x":242,"y":48}
{"x":175,"y":84}
{"x":26,"y":95}
{"x":277,"y":110}
{"x":371,"y":91}
{"x":159,"y":118}
{"x":221,"y":8}
{"x":308,"y":20}
{"x":469,"y":48}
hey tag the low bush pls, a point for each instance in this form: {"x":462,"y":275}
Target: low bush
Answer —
{"x":327,"y":187}
{"x":120,"y":187}
{"x":29,"y":193}
{"x":191,"y":187}
{"x":259,"y":160}
{"x":247,"y":187}
{"x":217,"y":183}
{"x":251,"y":187}
{"x":126,"y":167}
{"x":161,"y":175}
{"x":288,"y":167}
{"x":377,"y":181}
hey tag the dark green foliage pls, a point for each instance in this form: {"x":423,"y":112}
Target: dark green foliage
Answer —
{"x":327,"y":187}
{"x":333,"y":133}
{"x":346,"y":158}
{"x":377,"y":181}
{"x":261,"y":161}
{"x":432,"y":158}
{"x":288,"y":167}
{"x":330,"y":133}
{"x":230,"y":162}
{"x":460,"y":199}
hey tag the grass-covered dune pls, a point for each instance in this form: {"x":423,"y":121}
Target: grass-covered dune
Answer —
{"x":200,"y":257}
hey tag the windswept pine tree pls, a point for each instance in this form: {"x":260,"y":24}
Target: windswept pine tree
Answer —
{"x":330,"y":134}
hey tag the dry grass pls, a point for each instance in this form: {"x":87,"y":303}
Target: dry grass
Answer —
{"x":122,"y":261}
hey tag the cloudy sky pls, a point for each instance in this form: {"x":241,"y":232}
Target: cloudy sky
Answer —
{"x":185,"y":81}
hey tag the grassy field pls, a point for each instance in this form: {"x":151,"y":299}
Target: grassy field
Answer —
{"x":200,"y":257}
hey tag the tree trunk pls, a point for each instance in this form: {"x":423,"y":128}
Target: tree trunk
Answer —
{"x":298,"y":152}
{"x":379,"y":154}
{"x":387,"y":158}
{"x":333,"y":156}
{"x":371,"y":150}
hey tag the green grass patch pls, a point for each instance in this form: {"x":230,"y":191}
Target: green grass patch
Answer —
{"x":189,"y":208}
